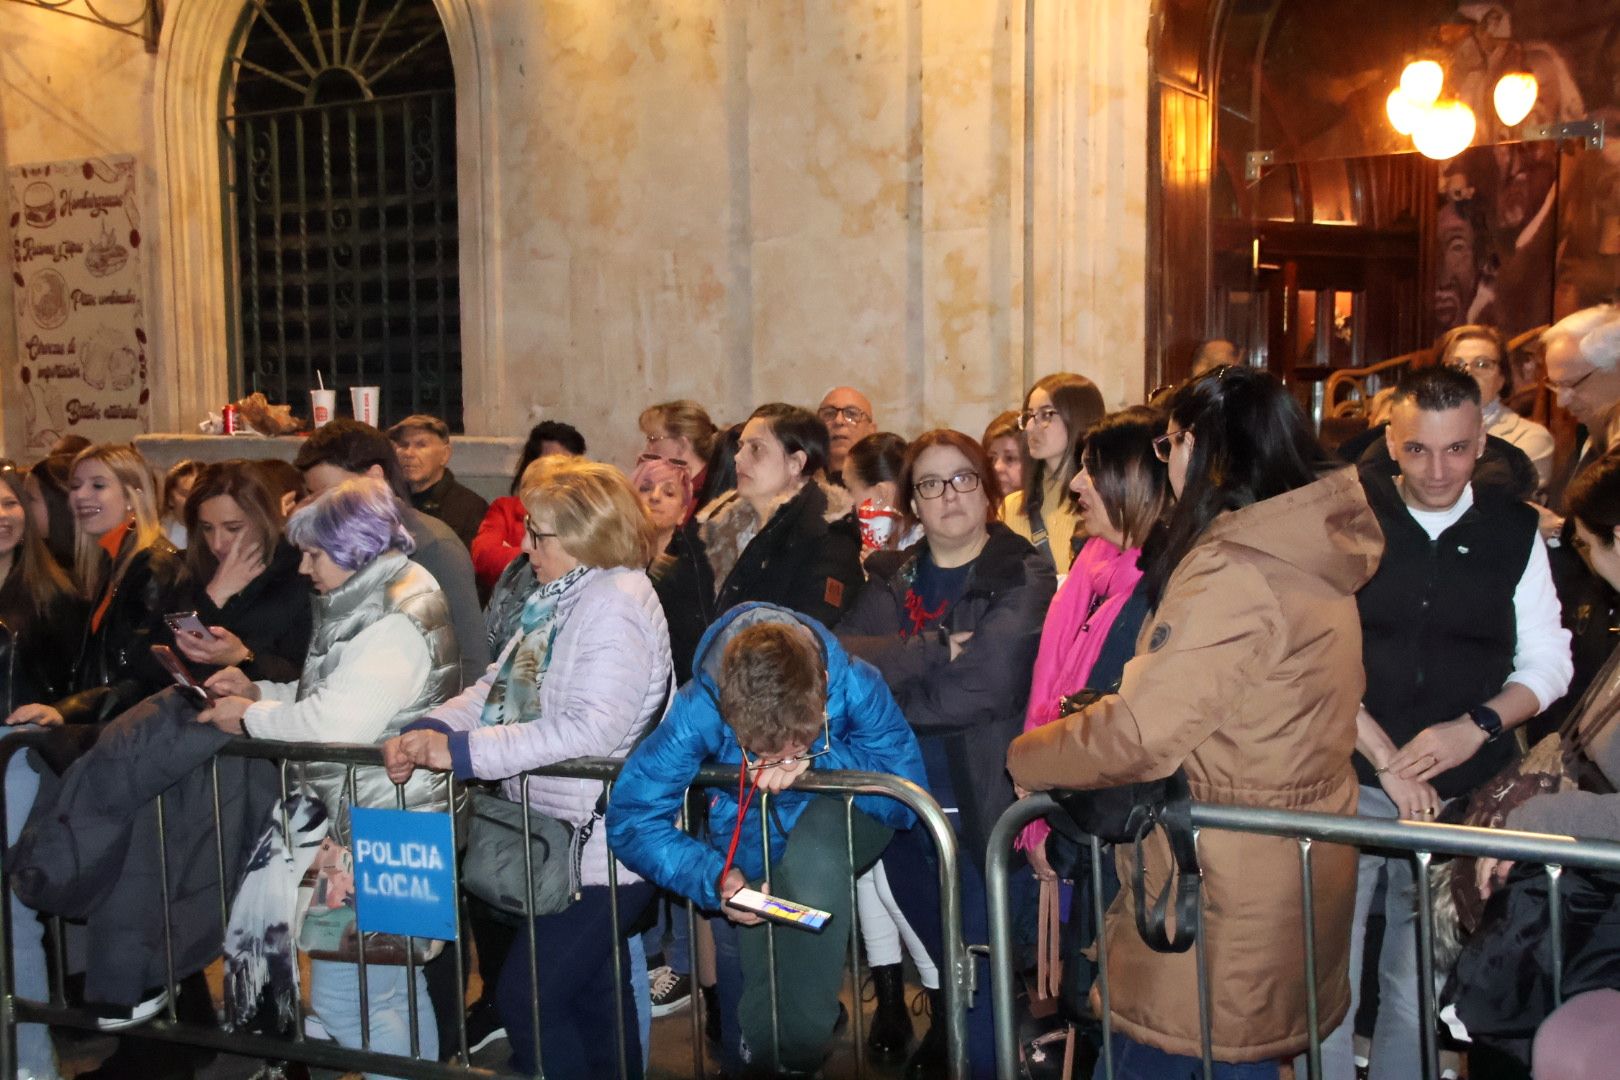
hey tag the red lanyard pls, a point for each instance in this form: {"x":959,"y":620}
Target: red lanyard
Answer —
{"x":744,"y":798}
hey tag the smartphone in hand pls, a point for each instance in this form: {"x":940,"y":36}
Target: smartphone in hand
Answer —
{"x":189,"y":686}
{"x":188,"y":622}
{"x":779,"y":910}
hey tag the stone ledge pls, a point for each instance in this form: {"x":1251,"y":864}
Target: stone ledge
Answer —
{"x":483,"y":463}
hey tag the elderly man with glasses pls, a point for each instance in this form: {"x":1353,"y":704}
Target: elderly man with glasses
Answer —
{"x":848,"y":416}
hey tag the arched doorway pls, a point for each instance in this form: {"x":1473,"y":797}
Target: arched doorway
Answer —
{"x":340,"y":141}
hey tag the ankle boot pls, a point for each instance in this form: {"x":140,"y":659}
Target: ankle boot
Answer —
{"x":929,"y":1060}
{"x":890,"y":1036}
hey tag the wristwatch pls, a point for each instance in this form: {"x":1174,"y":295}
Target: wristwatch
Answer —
{"x":1486,"y":719}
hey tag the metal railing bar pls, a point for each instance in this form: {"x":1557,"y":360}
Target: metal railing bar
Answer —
{"x":857,"y":1013}
{"x":1100,"y":911}
{"x":998,"y":862}
{"x":410,"y":959}
{"x":320,"y":1054}
{"x":528,"y":916}
{"x":359,"y":938}
{"x":615,"y":945}
{"x":168,"y":912}
{"x":1408,"y":836}
{"x":1555,"y":929}
{"x":698,"y":1018}
{"x":1206,"y":1023}
{"x":770,"y":935}
{"x":1307,"y":881}
{"x":1425,"y":957}
{"x":464,"y":1054}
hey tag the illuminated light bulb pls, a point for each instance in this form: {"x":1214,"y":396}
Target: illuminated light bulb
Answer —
{"x":1403,"y":115}
{"x":1444,"y":130}
{"x":1515,"y":96}
{"x":1421,"y":82}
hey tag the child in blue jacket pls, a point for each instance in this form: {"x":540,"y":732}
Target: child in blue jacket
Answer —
{"x":773,"y":695}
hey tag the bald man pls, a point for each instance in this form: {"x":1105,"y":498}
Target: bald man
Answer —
{"x":848,"y":416}
{"x":1212,"y":354}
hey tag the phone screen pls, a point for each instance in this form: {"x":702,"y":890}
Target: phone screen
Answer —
{"x":779,"y":910}
{"x":181,"y":675}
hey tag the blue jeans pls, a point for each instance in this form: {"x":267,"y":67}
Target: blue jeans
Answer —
{"x":641,"y":991}
{"x":334,"y":996}
{"x":668,"y":936}
{"x":1135,"y":1061}
{"x":34,"y":1051}
{"x":1397,"y":1050}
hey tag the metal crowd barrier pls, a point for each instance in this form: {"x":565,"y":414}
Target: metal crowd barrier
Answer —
{"x":1422,"y":841}
{"x":955,"y":967}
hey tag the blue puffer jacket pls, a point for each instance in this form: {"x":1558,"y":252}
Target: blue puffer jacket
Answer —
{"x":868,"y":731}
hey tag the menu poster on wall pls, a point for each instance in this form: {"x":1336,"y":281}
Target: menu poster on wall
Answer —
{"x":81,"y":322}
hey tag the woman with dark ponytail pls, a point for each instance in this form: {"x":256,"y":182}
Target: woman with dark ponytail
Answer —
{"x":1247,"y":679}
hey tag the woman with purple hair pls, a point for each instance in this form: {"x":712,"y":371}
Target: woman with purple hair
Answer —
{"x":382,"y":654}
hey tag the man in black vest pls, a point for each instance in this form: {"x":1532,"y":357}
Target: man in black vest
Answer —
{"x":1462,"y":643}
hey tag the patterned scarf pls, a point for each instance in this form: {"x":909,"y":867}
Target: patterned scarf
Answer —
{"x":514,"y":698}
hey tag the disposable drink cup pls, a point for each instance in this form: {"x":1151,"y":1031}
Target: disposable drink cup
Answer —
{"x":364,"y":400}
{"x":322,"y":404}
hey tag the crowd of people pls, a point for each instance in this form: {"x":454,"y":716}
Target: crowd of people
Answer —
{"x":1077,"y":599}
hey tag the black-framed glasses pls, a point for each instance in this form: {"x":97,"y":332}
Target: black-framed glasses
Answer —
{"x":751,"y":764}
{"x":850,"y":414}
{"x":1163,"y":444}
{"x":1042,"y":416}
{"x":1470,"y":367}
{"x":933,"y":487}
{"x":1569,"y":387}
{"x":533,"y":530}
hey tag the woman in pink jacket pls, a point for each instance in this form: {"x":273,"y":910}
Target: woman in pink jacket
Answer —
{"x":1122,"y":491}
{"x":587,"y":671}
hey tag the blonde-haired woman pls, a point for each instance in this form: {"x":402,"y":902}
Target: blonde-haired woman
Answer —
{"x":586,"y":672}
{"x":130,"y":574}
{"x":680,"y":432}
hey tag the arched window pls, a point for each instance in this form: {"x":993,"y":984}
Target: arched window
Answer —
{"x":340,"y":151}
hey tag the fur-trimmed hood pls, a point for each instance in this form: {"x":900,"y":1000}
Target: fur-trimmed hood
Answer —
{"x":730,"y":523}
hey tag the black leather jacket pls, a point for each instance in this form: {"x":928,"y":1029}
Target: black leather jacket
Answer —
{"x":36,"y":649}
{"x":115,"y":667}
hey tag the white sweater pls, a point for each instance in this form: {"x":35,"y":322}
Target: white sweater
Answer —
{"x":384,"y":670}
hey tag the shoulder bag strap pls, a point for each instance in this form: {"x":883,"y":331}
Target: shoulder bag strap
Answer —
{"x":1037,"y":529}
{"x":1174,"y":816}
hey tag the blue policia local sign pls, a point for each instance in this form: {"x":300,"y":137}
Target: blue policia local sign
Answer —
{"x":402,"y":878}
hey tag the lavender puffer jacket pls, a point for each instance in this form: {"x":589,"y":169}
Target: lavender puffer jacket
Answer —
{"x":609,"y":675}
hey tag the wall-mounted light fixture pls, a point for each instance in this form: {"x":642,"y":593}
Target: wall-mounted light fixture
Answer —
{"x":1442,"y":129}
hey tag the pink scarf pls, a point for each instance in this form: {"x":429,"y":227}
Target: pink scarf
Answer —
{"x":1100,"y":581}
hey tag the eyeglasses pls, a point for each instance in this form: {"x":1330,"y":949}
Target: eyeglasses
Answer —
{"x":850,"y":414}
{"x":933,"y":487}
{"x":535,"y":535}
{"x":679,"y":463}
{"x":753,"y":765}
{"x":1569,"y":387}
{"x":1163,"y":444}
{"x":1042,"y":416}
{"x":1469,"y":367}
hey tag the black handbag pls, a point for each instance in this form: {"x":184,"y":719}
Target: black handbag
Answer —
{"x":1130,"y":814}
{"x":1502,"y":983}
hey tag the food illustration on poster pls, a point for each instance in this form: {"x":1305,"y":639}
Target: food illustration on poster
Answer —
{"x":81,"y":320}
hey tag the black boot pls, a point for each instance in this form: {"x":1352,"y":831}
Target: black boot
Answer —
{"x":890,"y":1036}
{"x":929,"y":1060}
{"x":711,"y":1018}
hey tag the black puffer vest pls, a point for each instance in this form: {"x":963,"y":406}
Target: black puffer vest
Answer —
{"x":1438,"y":629}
